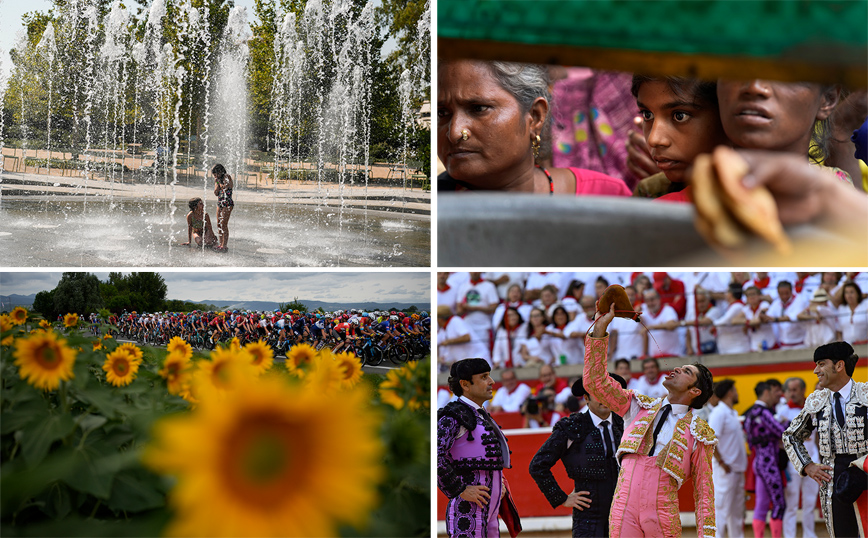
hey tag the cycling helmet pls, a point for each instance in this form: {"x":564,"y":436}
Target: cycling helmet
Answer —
{"x":354,"y":321}
{"x":393,"y":318}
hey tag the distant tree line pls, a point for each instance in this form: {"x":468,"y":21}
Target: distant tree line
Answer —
{"x":84,"y":293}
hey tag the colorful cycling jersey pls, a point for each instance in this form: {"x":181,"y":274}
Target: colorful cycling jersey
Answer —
{"x":382,"y":327}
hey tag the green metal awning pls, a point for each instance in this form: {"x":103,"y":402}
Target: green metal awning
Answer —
{"x":784,"y":39}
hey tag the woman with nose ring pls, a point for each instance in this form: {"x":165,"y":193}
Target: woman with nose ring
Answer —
{"x":490,"y":116}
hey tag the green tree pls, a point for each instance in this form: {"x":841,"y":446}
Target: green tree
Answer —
{"x":147,"y":290}
{"x":44,"y":304}
{"x":77,"y":292}
{"x":294,"y":305}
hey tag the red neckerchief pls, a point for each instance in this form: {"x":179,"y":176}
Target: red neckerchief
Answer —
{"x":800,"y":283}
{"x":752,"y":309}
{"x":560,"y":328}
{"x":475,"y":282}
{"x":762,"y":283}
{"x":791,"y":405}
{"x":786,"y":305}
{"x":736,"y":302}
{"x":446,"y":287}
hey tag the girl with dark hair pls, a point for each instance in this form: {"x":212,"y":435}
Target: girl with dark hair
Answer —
{"x":223,"y":190}
{"x":199,"y":225}
{"x":531,"y":348}
{"x":506,"y":339}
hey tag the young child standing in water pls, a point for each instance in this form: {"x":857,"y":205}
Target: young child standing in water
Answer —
{"x":199,"y":225}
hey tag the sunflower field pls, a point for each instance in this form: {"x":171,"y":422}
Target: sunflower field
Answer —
{"x":99,"y":438}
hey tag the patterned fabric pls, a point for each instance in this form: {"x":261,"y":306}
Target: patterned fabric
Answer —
{"x":592,"y":114}
{"x":468,"y":453}
{"x":578,"y":444}
{"x":764,"y":434}
{"x":688,"y":454}
{"x":817,"y":414}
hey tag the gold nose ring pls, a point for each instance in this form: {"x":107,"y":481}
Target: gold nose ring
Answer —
{"x":465,"y":134}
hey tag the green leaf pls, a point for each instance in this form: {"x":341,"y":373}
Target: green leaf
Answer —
{"x":91,"y":422}
{"x":95,"y":465}
{"x":99,"y":397}
{"x":57,"y":501}
{"x":37,"y":437}
{"x":136,"y":490}
{"x":23,"y":415}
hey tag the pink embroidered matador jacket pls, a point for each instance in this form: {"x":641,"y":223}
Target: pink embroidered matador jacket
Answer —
{"x":687,"y":455}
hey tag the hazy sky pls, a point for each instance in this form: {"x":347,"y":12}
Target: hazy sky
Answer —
{"x":329,"y":286}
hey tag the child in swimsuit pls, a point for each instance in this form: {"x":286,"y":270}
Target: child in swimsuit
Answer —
{"x":223,"y":191}
{"x":199,"y":225}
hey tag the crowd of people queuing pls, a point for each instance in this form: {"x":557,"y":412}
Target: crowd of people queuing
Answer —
{"x":532,"y":319}
{"x":340,"y":329}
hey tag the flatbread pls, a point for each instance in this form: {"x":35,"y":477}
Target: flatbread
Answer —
{"x":713,"y":220}
{"x":754,"y":208}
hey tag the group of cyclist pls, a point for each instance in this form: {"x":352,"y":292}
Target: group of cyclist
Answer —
{"x":340,"y":330}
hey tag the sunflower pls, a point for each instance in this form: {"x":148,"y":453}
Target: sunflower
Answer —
{"x":262,"y":355}
{"x":405,"y":387}
{"x":6,"y":325}
{"x":133,"y":350}
{"x":44,"y":359}
{"x":235,"y":344}
{"x":175,"y":371}
{"x":70,"y":320}
{"x":302,"y":354}
{"x":352,"y":368}
{"x":179,"y":344}
{"x":97,"y":345}
{"x":19,"y":315}
{"x":220,"y":373}
{"x":390,"y":388}
{"x":326,"y":374}
{"x":120,"y":367}
{"x":107,"y":336}
{"x":45,"y":324}
{"x":272,"y":459}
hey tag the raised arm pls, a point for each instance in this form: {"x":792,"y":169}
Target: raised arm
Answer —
{"x":595,"y":377}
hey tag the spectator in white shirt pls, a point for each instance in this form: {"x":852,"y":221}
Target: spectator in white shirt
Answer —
{"x":626,"y":336}
{"x":762,"y":335}
{"x":503,"y":281}
{"x":446,"y":294}
{"x":477,"y":301}
{"x":536,"y":282}
{"x":561,"y":347}
{"x":853,"y":315}
{"x":651,"y":383}
{"x":730,"y":461}
{"x":509,"y":397}
{"x":820,"y":317}
{"x":664,"y":320}
{"x":577,"y":329}
{"x":785,"y":310}
{"x":572,"y":299}
{"x":548,"y":297}
{"x":622,"y":368}
{"x":507,"y":340}
{"x":455,"y":340}
{"x":731,"y":329}
{"x":700,"y":322}
{"x":531,"y":347}
{"x":514,"y":298}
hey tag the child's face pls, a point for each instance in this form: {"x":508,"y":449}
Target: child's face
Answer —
{"x":763,"y":114}
{"x":676,"y":129}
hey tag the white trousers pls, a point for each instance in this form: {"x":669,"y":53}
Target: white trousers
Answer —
{"x":809,"y":490}
{"x":729,"y":502}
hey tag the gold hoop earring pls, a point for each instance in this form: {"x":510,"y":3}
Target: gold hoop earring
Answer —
{"x":465,"y":134}
{"x":535,"y":145}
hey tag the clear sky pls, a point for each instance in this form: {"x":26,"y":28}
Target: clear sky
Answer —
{"x":381,"y":286}
{"x":12,"y":10}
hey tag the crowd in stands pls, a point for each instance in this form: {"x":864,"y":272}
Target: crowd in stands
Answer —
{"x":531,"y":319}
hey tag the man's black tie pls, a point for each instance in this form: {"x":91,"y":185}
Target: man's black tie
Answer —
{"x":663,"y":414}
{"x":607,"y":438}
{"x":839,"y":413}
